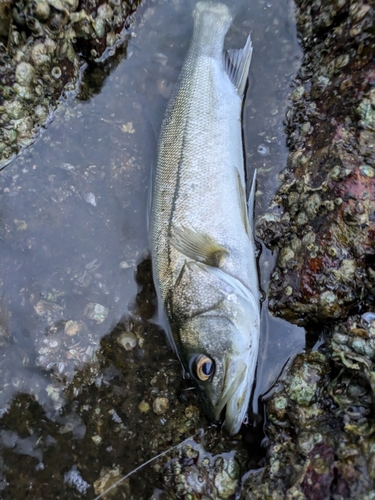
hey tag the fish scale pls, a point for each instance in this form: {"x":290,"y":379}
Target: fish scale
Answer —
{"x":201,"y":245}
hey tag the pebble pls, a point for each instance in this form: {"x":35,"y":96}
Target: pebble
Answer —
{"x":128,"y":128}
{"x":42,"y":10}
{"x":124,"y":265}
{"x":97,"y":439}
{"x":127,"y":340}
{"x":191,"y":412}
{"x":367,"y":171}
{"x":108,"y":478}
{"x":21,"y":224}
{"x":144,"y":407}
{"x":74,"y":327}
{"x":96,"y":312}
{"x":160,"y":405}
{"x":39,"y":54}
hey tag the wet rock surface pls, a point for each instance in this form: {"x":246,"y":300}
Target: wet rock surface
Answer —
{"x":194,"y":473}
{"x":43,"y":45}
{"x":321,"y":413}
{"x":321,"y":427}
{"x":324,"y":227}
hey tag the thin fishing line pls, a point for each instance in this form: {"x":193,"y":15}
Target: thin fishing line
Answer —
{"x":144,"y":464}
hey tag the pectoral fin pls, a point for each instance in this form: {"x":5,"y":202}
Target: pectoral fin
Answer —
{"x":197,"y":246}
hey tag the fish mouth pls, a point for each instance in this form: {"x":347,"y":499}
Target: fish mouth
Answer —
{"x":236,"y":395}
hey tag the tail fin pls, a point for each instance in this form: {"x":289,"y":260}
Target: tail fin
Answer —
{"x":211,"y":23}
{"x":212,"y":20}
{"x":232,"y":5}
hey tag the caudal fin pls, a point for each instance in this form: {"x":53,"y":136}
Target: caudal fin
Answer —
{"x":232,"y":5}
{"x":211,"y":23}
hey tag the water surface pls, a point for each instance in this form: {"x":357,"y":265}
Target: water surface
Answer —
{"x":74,"y":264}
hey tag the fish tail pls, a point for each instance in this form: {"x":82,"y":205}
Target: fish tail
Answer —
{"x":232,"y":6}
{"x":211,"y":23}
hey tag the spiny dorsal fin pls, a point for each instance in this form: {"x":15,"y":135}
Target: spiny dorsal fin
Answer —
{"x":197,"y":246}
{"x":237,"y":64}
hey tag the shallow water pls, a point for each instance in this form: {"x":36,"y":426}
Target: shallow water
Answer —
{"x":74,"y":269}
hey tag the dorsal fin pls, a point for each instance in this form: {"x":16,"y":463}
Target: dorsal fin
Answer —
{"x":237,"y":64}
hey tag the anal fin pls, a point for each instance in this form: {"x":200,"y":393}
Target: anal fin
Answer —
{"x":197,"y":246}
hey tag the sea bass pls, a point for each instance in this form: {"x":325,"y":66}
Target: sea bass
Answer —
{"x":201,"y":239}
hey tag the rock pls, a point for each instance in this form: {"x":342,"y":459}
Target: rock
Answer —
{"x":72,"y":328}
{"x":96,"y":312}
{"x":318,"y":422}
{"x":192,"y":475}
{"x":160,"y":405}
{"x":329,"y":185}
{"x":40,"y":60}
{"x":321,"y":426}
{"x":108,"y":478}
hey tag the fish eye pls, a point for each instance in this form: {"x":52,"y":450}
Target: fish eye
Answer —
{"x":203,"y":367}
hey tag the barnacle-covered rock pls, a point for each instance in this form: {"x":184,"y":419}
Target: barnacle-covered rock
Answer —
{"x":194,"y":473}
{"x":5,"y":17}
{"x":324,"y":214}
{"x":321,"y":433}
{"x":321,"y":426}
{"x":44,"y":44}
{"x":353,"y":346}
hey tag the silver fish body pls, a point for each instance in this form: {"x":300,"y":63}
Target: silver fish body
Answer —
{"x":201,"y":241}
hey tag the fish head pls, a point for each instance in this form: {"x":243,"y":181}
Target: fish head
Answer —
{"x":220,"y":353}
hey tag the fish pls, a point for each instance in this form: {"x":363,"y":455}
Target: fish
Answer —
{"x":201,"y":236}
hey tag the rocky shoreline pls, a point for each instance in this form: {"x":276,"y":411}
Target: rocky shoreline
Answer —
{"x":321,"y":427}
{"x":43,"y":46}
